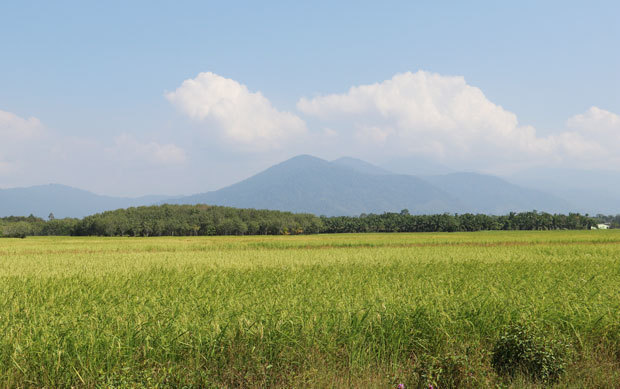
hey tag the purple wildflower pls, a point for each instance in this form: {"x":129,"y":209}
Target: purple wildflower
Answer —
{"x":400,"y":386}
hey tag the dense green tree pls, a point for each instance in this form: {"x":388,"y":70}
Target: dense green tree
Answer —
{"x":19,"y":229}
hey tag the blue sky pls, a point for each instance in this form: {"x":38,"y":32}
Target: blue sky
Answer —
{"x":97,"y":78}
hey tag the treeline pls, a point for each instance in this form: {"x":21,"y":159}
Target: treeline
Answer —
{"x":404,"y":222}
{"x":195,"y":220}
{"x":22,"y":226}
{"x":187,"y":220}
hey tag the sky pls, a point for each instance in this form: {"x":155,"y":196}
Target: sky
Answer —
{"x":150,"y":97}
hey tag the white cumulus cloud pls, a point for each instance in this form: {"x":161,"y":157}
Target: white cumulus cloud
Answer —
{"x":13,"y":127}
{"x":237,"y":114}
{"x":430,"y":114}
{"x":592,"y":136}
{"x":596,"y":120}
{"x":19,"y":139}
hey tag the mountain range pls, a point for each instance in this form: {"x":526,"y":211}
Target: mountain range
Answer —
{"x":63,"y":201}
{"x":591,"y":191}
{"x":346,"y":186}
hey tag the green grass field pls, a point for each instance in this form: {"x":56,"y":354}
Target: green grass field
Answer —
{"x":368,"y":310}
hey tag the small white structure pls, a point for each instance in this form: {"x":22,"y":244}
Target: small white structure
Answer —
{"x":604,"y":226}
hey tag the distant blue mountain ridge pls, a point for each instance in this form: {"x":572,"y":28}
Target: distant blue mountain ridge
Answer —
{"x":346,"y":186}
{"x":63,"y":201}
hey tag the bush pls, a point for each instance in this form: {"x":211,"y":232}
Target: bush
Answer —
{"x":522,"y":349}
{"x":445,"y":371}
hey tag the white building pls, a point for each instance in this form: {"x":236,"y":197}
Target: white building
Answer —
{"x":604,"y":226}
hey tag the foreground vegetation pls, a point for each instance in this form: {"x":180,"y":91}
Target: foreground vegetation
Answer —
{"x":485,"y":309}
{"x":204,"y":220}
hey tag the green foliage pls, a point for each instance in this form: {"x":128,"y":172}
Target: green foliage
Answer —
{"x":59,"y":227}
{"x":404,"y":222}
{"x":447,"y":371}
{"x":20,"y":229}
{"x":22,"y":226}
{"x":204,"y":220}
{"x":522,"y":349}
{"x":194,"y":220}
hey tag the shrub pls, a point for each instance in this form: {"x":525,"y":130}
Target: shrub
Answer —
{"x":445,"y":371}
{"x":522,"y":349}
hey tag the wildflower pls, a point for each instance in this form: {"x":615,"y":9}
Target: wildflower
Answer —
{"x":400,"y":386}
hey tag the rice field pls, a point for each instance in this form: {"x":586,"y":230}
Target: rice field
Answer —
{"x":351,"y":310}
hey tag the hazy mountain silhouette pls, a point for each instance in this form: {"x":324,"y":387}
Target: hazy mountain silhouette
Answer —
{"x":593,"y":191}
{"x":63,"y":201}
{"x":346,"y":186}
{"x":349,"y":186}
{"x":483,"y":193}
{"x":360,"y":166}
{"x":415,"y":166}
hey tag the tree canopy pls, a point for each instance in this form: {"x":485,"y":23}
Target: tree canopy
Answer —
{"x":194,"y":220}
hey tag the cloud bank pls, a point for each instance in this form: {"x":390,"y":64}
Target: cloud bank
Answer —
{"x":228,"y":108}
{"x":444,"y":118}
{"x":429,"y":114}
{"x":420,"y":114}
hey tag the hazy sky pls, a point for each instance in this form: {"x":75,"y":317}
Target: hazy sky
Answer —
{"x":131,"y":97}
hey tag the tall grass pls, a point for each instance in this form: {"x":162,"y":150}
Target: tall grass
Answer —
{"x":332,"y":310}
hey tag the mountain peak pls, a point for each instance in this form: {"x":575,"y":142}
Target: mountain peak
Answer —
{"x":359,"y":165}
{"x":302,"y":161}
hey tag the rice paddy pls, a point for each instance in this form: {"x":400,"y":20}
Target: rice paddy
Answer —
{"x":350,"y":310}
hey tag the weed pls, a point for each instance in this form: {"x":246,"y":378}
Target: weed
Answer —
{"x":523,"y":349}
